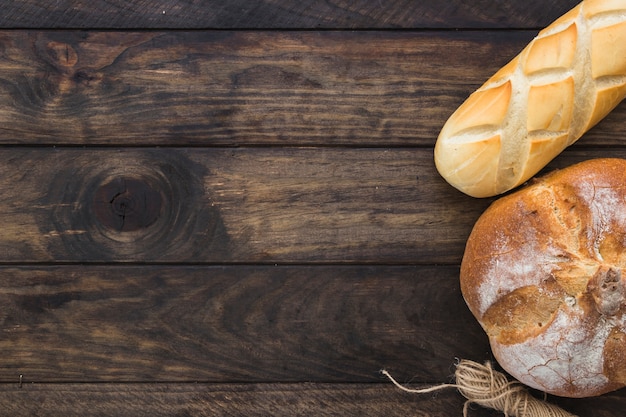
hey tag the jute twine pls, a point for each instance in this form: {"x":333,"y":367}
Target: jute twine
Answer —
{"x":483,"y":385}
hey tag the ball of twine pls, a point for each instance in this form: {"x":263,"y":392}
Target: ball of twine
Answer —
{"x":483,"y":385}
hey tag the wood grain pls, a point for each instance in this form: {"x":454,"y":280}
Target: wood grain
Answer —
{"x":246,"y":205}
{"x":254,"y":399}
{"x":222,"y":88}
{"x":238,"y":221}
{"x":221,"y":400}
{"x":235,"y":88}
{"x":291,"y":399}
{"x":238,"y":323}
{"x":277,"y":14}
{"x":229,"y":205}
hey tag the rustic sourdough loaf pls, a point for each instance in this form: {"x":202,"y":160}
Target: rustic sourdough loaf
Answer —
{"x":563,"y":83}
{"x":542,"y":273}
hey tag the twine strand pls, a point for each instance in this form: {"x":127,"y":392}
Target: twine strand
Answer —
{"x":484,"y":386}
{"x":417,"y":391}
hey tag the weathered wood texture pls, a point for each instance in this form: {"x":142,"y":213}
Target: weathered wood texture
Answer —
{"x":229,"y":205}
{"x":279,"y":14}
{"x":233,"y":88}
{"x":221,"y":400}
{"x":254,"y":400}
{"x":246,"y":88}
{"x":204,"y":222}
{"x":237,"y":323}
{"x":246,"y":205}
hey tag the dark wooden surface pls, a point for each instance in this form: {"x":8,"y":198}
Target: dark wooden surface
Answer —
{"x":230,"y":208}
{"x":279,"y":14}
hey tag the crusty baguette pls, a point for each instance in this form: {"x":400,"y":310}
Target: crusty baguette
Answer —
{"x":544,"y":274}
{"x":563,"y":83}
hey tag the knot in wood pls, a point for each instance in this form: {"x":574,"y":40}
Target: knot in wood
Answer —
{"x":61,"y":54}
{"x":127,"y":204}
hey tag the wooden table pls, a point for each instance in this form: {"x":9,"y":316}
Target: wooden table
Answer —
{"x":230,"y":208}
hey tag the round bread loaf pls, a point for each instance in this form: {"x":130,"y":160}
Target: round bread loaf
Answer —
{"x":542,"y":273}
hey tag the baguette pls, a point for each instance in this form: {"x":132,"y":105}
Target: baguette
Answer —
{"x":563,"y":83}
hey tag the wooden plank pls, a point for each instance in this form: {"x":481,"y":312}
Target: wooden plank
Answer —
{"x":264,"y":14}
{"x":246,"y":205}
{"x":295,"y":399}
{"x":234,"y":88}
{"x":246,"y":88}
{"x":217,"y":400}
{"x":229,"y":205}
{"x":229,"y":324}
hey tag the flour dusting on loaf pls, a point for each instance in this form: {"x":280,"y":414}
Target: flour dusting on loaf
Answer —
{"x":563,"y":83}
{"x":542,"y":273}
{"x":566,"y":358}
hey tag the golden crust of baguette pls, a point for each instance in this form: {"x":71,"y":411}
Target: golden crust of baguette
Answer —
{"x":475,"y":156}
{"x":552,"y":51}
{"x":550,"y":106}
{"x":596,"y":7}
{"x":608,"y":51}
{"x":543,"y":150}
{"x":608,"y":98}
{"x":483,"y":108}
{"x":504,"y":73}
{"x":569,"y":17}
{"x":563,"y":83}
{"x":481,"y":165}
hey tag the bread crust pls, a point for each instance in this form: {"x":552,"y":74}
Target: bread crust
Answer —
{"x":561,"y":84}
{"x":542,"y":273}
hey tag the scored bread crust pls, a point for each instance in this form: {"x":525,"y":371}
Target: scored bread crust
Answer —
{"x":562,"y":83}
{"x":542,"y":273}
